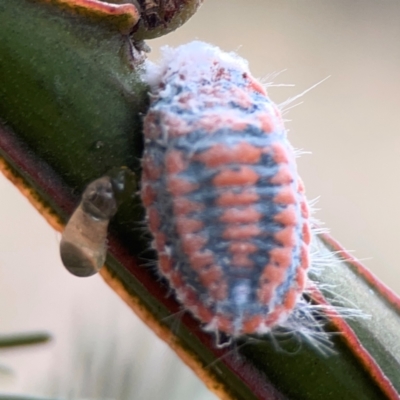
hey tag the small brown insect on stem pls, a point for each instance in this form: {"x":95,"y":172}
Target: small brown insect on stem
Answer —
{"x":83,"y":246}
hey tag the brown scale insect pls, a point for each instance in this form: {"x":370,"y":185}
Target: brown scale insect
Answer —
{"x":83,"y":246}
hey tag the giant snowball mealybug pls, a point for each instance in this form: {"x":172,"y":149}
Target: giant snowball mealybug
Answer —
{"x":223,"y":199}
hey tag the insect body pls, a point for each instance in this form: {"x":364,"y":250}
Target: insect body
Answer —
{"x":83,"y":246}
{"x":224,"y":202}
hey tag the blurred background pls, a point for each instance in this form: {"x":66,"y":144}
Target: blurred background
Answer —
{"x":350,"y":123}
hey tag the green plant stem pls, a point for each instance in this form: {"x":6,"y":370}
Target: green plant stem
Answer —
{"x":24,"y":339}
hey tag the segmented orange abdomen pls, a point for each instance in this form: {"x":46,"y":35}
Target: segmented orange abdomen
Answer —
{"x":223,"y":199}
